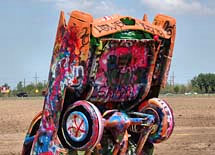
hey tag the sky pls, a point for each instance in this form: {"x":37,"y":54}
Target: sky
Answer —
{"x":28,"y":29}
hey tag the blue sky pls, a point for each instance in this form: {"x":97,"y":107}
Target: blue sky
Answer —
{"x":28,"y":29}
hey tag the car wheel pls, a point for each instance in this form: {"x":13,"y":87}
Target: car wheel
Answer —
{"x":82,"y":126}
{"x":164,"y":120}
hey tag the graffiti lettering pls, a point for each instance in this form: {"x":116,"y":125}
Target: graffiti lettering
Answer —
{"x":168,"y":28}
{"x":151,"y":29}
{"x":108,"y":93}
{"x":119,"y":25}
{"x":108,"y":27}
{"x":147,"y":28}
{"x":84,"y":44}
{"x":84,"y":37}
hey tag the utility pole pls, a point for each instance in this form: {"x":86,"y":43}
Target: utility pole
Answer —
{"x":24,"y":83}
{"x":172,"y":80}
{"x":36,"y":78}
{"x":44,"y":82}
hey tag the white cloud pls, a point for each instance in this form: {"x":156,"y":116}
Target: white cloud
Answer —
{"x":180,"y":6}
{"x":97,"y":8}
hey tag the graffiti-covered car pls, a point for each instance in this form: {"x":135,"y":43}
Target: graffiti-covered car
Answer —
{"x":104,"y":81}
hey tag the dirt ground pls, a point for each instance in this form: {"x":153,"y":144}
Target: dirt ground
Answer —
{"x":194,"y":132}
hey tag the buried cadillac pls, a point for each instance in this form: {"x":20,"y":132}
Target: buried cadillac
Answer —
{"x":104,"y":81}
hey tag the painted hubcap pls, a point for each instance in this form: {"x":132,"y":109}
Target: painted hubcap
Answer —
{"x":77,"y":126}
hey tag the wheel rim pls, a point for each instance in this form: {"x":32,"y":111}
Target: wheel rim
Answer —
{"x":153,"y":112}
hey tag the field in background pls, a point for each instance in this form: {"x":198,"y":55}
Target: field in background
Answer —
{"x":194,"y":124}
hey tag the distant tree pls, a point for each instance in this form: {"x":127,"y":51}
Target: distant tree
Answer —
{"x":35,"y":90}
{"x":167,"y":89}
{"x":30,"y":88}
{"x":176,"y":89}
{"x":182,"y":89}
{"x":19,"y":86}
{"x":211,"y":79}
{"x":40,"y":86}
{"x":189,"y":87}
{"x":6,"y":85}
{"x":204,"y":82}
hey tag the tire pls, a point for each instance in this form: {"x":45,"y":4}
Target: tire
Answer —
{"x":164,"y":119}
{"x":82,"y":126}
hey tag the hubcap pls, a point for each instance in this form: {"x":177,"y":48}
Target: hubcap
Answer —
{"x":77,"y":126}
